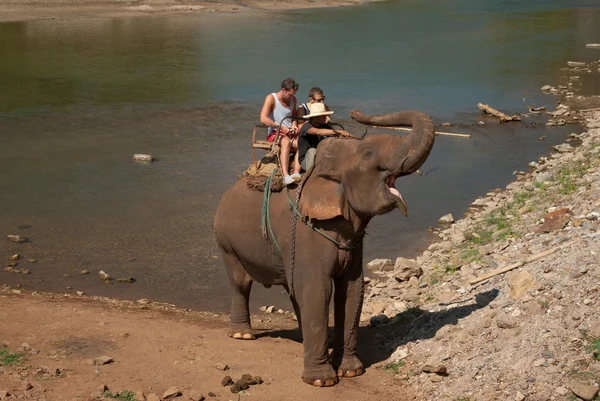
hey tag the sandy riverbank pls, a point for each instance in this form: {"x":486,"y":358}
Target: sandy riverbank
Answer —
{"x":26,"y":10}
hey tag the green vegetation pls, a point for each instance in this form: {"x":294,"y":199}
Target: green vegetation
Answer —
{"x":394,"y":367}
{"x":124,"y":395}
{"x":10,"y":358}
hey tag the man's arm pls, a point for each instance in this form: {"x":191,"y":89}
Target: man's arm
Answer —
{"x":268,"y":107}
{"x":327,"y":132}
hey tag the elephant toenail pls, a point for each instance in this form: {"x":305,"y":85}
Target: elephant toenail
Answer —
{"x":317,"y":383}
{"x":248,"y":336}
{"x":237,"y":336}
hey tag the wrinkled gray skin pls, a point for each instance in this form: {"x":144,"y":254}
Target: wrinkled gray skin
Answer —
{"x":348,"y":185}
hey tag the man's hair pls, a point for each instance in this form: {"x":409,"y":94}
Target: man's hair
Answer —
{"x":289,"y":84}
{"x":315,"y":91}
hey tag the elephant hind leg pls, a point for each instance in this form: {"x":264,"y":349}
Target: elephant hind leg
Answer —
{"x":240,"y":284}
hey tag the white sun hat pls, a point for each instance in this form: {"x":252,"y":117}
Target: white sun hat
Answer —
{"x":316,"y":110}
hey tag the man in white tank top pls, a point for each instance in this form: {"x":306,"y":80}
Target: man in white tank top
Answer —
{"x":276,"y":107}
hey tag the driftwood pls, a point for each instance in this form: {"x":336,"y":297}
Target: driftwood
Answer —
{"x":515,"y":265}
{"x":436,"y":132}
{"x":586,"y":110}
{"x":503,"y":117}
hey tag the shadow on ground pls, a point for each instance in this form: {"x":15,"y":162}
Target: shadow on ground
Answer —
{"x":376,"y":344}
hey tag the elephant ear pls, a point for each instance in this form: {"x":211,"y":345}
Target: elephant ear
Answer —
{"x":322,"y":196}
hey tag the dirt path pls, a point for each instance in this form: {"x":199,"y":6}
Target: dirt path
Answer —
{"x":156,"y":347}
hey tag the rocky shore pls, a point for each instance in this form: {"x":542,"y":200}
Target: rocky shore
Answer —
{"x":24,"y":10}
{"x":506,"y":305}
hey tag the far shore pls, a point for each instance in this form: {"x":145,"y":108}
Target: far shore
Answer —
{"x":26,"y":10}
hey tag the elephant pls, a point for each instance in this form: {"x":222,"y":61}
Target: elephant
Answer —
{"x":314,"y":244}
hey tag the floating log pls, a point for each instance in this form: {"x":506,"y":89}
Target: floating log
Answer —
{"x":437,"y":132}
{"x":503,"y":117}
{"x":593,"y":45}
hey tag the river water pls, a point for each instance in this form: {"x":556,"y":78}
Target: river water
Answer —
{"x":79,"y":97}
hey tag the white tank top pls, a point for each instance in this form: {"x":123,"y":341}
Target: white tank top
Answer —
{"x":280,"y":112}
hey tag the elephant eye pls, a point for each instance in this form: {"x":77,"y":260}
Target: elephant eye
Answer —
{"x":368,"y":154}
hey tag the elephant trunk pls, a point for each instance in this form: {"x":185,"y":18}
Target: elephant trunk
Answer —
{"x":411,"y":150}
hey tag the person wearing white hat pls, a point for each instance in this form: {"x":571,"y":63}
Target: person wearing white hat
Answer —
{"x":312,"y":132}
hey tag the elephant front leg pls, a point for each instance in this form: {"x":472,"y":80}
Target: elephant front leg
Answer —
{"x":240,"y":284}
{"x":348,"y":305}
{"x":314,"y":307}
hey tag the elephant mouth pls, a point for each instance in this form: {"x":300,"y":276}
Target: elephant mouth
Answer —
{"x":396,"y":195}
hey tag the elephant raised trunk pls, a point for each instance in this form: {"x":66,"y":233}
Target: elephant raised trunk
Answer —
{"x":411,"y":150}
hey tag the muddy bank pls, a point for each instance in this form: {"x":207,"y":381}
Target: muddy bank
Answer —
{"x":25,"y":10}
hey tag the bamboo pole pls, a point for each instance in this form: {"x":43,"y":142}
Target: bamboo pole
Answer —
{"x":515,"y":265}
{"x":503,"y":117}
{"x":437,"y":132}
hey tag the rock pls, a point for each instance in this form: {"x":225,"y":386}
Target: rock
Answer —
{"x":152,"y":397}
{"x":239,"y":386}
{"x":519,"y":396}
{"x":171,"y":392}
{"x":556,"y":220}
{"x":538,"y":362}
{"x":595,"y":329}
{"x":84,"y":271}
{"x":411,"y":295}
{"x":562,"y":391}
{"x":80,"y":293}
{"x":406,"y":268}
{"x":16,"y":256}
{"x":126,"y":280}
{"x":143,"y":158}
{"x":400,"y":353}
{"x":520,"y":283}
{"x":103,"y":275}
{"x":211,"y":394}
{"x":139,"y":395}
{"x":222,"y":366}
{"x":546,"y":88}
{"x":27,"y":386}
{"x":446,"y":220}
{"x":195,"y":395}
{"x":437,"y":369}
{"x":226,"y":381}
{"x":381,"y":264}
{"x":563,"y":148}
{"x":584,"y":391}
{"x":544,"y":177}
{"x":504,"y":321}
{"x":379,"y":320}
{"x":4,"y":394}
{"x":17,"y":238}
{"x":103,"y":360}
{"x":270,"y":309}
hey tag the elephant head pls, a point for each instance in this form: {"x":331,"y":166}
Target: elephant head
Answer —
{"x":359,"y":175}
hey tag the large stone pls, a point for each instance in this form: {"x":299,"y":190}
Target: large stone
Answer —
{"x":520,"y":283}
{"x":584,"y":391}
{"x":556,"y":220}
{"x":504,"y":321}
{"x":171,"y":392}
{"x":406,"y":268}
{"x":446,"y":220}
{"x":152,"y":397}
{"x":103,"y":360}
{"x":544,"y":177}
{"x":381,"y":264}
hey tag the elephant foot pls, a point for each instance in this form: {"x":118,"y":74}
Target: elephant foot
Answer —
{"x":242,"y":336}
{"x":351,"y":366}
{"x":320,"y":382}
{"x":350,"y":372}
{"x":323,"y":377}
